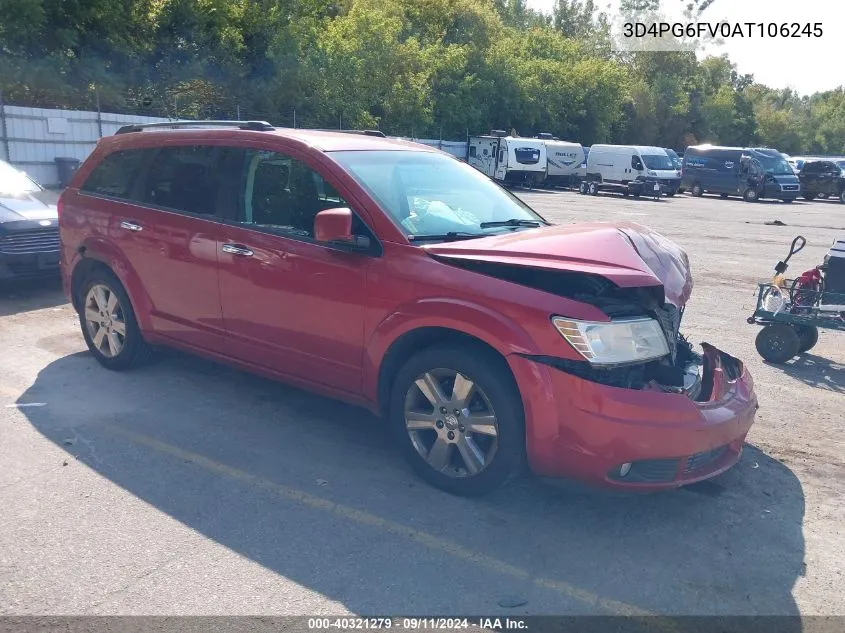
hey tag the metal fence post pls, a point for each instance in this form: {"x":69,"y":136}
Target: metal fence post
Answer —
{"x":3,"y":128}
{"x":99,"y":115}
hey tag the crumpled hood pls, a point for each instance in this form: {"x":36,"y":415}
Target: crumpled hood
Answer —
{"x":26,"y":207}
{"x":626,"y":253}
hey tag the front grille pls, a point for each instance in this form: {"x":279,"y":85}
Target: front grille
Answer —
{"x":652,"y":471}
{"x":30,"y":242}
{"x":700,"y":460}
{"x":669,"y":318}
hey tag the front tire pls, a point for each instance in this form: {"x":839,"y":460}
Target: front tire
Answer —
{"x":108,"y":323}
{"x":696,"y":190}
{"x":777,"y":343}
{"x":842,"y":196}
{"x":750,"y":195}
{"x":593,"y":189}
{"x":457,"y":417}
{"x":582,"y":188}
{"x":809,"y":197}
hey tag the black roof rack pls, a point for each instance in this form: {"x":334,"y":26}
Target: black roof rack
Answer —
{"x":258,"y":126}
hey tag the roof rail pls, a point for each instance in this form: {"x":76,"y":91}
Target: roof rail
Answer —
{"x":259,"y":126}
{"x":378,"y":133}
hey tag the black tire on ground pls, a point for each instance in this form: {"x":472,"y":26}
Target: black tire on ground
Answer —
{"x":777,"y":343}
{"x":809,"y":196}
{"x":681,"y":190}
{"x":750,"y":195}
{"x":842,"y":196}
{"x":788,"y":200}
{"x":594,"y":189}
{"x":135,"y":351}
{"x":582,"y":188}
{"x":696,"y":190}
{"x":808,"y":336}
{"x":625,"y":193}
{"x":823,"y":196}
{"x":723,"y":196}
{"x":671,"y":195}
{"x":489,"y":372}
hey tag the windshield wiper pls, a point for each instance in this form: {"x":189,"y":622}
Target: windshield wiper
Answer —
{"x":451,"y":235}
{"x":511,"y":222}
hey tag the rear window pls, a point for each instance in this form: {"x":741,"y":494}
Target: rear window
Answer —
{"x":116,"y":174}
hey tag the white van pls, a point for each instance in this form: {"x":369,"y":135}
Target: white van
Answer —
{"x":563,"y":158}
{"x":631,"y":169}
{"x":508,"y":159}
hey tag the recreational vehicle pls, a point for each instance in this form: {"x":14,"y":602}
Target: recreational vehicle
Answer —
{"x":563,"y":158}
{"x":630,"y":169}
{"x":508,"y":159}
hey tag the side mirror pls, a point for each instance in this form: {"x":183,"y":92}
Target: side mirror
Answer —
{"x":334,"y":226}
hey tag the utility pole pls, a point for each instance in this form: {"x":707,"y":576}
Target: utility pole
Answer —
{"x":294,"y":118}
{"x":238,"y":110}
{"x":99,"y":114}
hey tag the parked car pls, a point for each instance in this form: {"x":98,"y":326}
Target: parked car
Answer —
{"x":630,"y":169}
{"x":394,"y":276}
{"x":29,"y":232}
{"x":822,"y":177}
{"x":751,"y":173}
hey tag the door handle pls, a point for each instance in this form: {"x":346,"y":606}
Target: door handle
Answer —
{"x":237,"y":249}
{"x":131,"y":226}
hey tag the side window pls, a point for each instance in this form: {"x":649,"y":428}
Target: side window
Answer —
{"x":116,"y":174}
{"x":184,"y":178}
{"x":472,"y":151}
{"x":636,"y":163}
{"x":284,"y":194}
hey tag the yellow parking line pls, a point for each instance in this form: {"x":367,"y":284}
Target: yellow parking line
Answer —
{"x":362,"y":517}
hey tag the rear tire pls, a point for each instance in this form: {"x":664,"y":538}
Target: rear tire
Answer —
{"x":809,"y":197}
{"x":582,"y":188}
{"x":108,"y":322}
{"x":808,"y":336}
{"x":496,"y":450}
{"x":696,"y":190}
{"x":723,"y":196}
{"x":777,"y":343}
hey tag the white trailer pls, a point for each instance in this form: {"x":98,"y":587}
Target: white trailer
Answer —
{"x":508,"y":159}
{"x":564,"y":159}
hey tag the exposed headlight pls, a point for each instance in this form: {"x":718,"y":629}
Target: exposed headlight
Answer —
{"x":614,"y":342}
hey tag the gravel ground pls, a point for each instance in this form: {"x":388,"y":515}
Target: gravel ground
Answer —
{"x":189,"y":488}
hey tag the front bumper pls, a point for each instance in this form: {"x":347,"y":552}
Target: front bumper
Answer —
{"x":28,"y":252}
{"x":584,"y":430}
{"x":667,"y":186}
{"x":781,"y":192}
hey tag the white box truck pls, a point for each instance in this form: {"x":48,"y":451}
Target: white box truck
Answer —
{"x":508,"y":159}
{"x":636,"y":170}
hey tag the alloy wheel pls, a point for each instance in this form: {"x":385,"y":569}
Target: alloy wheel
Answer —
{"x":105,"y":320}
{"x":451,"y":423}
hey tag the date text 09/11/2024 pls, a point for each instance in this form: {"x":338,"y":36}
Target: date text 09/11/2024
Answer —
{"x":444,"y":624}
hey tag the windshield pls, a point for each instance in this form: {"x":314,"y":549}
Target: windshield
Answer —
{"x":676,"y":160}
{"x":840,"y":164}
{"x":433,"y":194}
{"x":775,"y":165}
{"x":14,"y":182}
{"x":657,"y":161}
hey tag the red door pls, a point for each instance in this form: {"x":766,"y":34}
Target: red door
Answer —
{"x":165,"y":227}
{"x":290,"y":304}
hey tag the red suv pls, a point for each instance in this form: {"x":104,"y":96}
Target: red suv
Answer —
{"x":397,"y":277}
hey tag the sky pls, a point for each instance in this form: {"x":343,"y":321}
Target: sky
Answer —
{"x":806,"y":65}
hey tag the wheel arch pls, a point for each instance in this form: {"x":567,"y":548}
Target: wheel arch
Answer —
{"x":414,"y":340}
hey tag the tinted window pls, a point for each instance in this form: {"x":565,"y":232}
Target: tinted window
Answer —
{"x":284,"y":194}
{"x":116,"y":174}
{"x":184,"y":179}
{"x":812,"y":168}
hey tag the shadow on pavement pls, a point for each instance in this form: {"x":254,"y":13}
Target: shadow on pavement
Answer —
{"x":312,"y":490}
{"x":32,"y":294}
{"x":816,"y":371}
